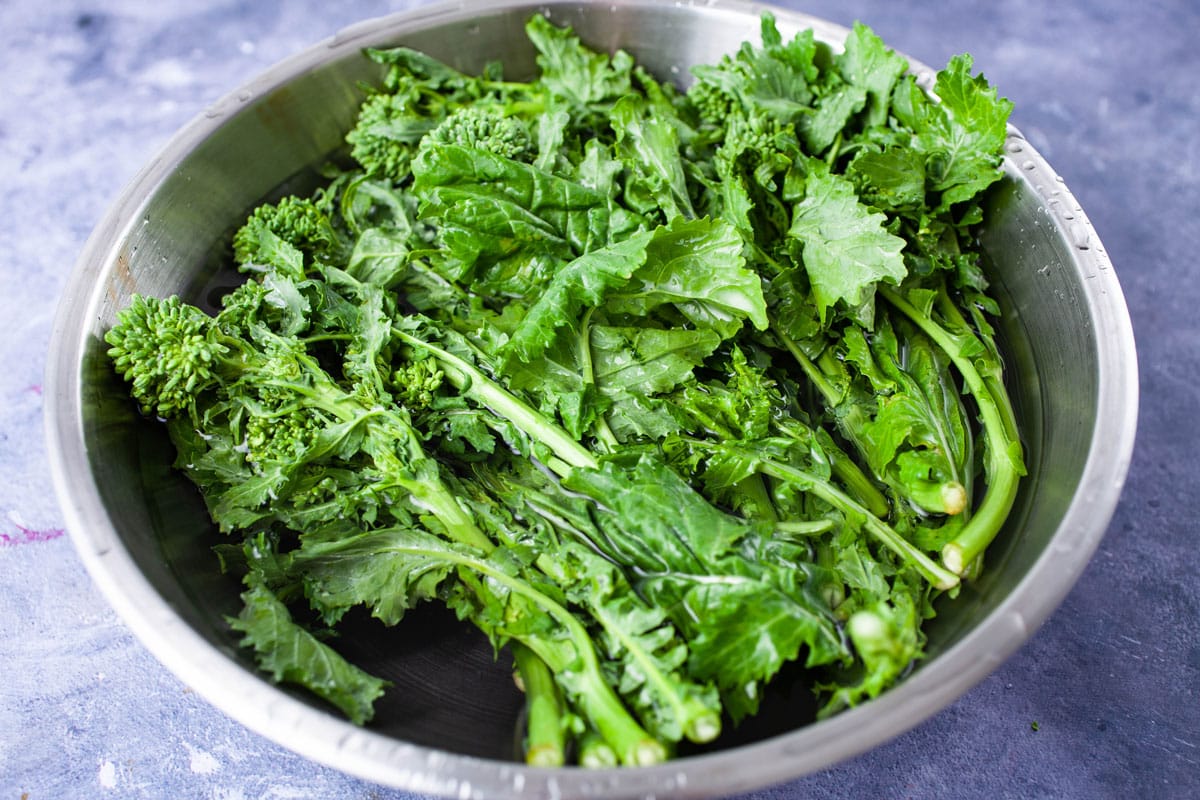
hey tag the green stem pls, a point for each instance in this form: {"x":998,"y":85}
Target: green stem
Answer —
{"x":935,"y":574}
{"x":844,"y":468}
{"x":801,"y":527}
{"x":831,"y":395}
{"x":603,"y":433}
{"x":700,"y":723}
{"x":1003,"y":460}
{"x":545,"y":739}
{"x":594,"y":752}
{"x":428,"y":493}
{"x":992,"y":378}
{"x":473,"y":383}
{"x":595,"y":698}
{"x":753,"y":487}
{"x":835,"y":150}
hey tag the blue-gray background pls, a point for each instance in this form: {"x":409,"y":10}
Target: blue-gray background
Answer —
{"x":1107,"y":90}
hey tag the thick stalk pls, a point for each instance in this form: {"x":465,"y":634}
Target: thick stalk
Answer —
{"x":545,"y":730}
{"x":597,"y":701}
{"x":473,"y":383}
{"x":935,"y":574}
{"x":849,"y":473}
{"x":1003,"y":460}
{"x":594,"y":752}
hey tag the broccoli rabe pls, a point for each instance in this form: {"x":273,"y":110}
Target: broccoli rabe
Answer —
{"x":386,"y":134}
{"x":165,"y":350}
{"x":485,"y":129}
{"x":275,"y":233}
{"x":532,"y":354}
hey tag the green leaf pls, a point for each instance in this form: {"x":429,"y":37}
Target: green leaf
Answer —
{"x":868,"y":63}
{"x":833,"y":111}
{"x":961,"y":136}
{"x":583,"y":282}
{"x":488,"y":207}
{"x":573,"y":72}
{"x":649,"y":146}
{"x":696,"y":266}
{"x":774,"y":78}
{"x":379,"y":257}
{"x":919,"y":439}
{"x":634,"y":417}
{"x":270,"y":251}
{"x":365,"y":570}
{"x":846,"y":248}
{"x":887,"y":639}
{"x":892,"y":179}
{"x":418,"y":64}
{"x":290,"y":654}
{"x":367,"y":203}
{"x":647,"y":656}
{"x":744,"y":622}
{"x":644,"y":361}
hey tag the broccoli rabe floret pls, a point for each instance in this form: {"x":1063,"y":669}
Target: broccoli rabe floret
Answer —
{"x":163,"y":348}
{"x":386,"y":134}
{"x":712,"y":103}
{"x":172,"y":352}
{"x":753,"y":137}
{"x":281,"y":436}
{"x":299,"y":222}
{"x":485,"y":129}
{"x":416,"y":382}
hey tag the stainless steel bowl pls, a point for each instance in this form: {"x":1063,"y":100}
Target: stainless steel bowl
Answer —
{"x":452,"y":727}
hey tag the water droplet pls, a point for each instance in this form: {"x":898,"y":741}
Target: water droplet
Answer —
{"x":1080,"y":237}
{"x":1028,"y":165}
{"x":243,"y":96}
{"x":1015,"y":147}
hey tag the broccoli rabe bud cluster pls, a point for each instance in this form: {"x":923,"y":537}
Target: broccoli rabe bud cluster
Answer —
{"x":712,"y":103}
{"x":280,"y":437}
{"x":416,"y":382}
{"x":751,"y":136}
{"x":297,"y":221}
{"x":485,"y":129}
{"x":376,"y":142}
{"x":163,"y":349}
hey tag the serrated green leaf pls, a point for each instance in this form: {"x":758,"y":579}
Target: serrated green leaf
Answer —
{"x":290,"y":654}
{"x":845,"y":247}
{"x":868,"y":63}
{"x":698,"y":268}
